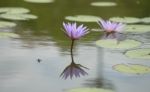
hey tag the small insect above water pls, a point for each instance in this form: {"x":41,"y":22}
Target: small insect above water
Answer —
{"x":39,"y":60}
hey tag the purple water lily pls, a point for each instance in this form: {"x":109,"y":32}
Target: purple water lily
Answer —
{"x":75,"y":32}
{"x":111,"y":28}
{"x":73,"y":70}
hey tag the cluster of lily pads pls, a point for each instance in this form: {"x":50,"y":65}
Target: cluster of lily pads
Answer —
{"x":128,"y":29}
{"x":10,"y":14}
{"x":127,"y":44}
{"x":97,"y":4}
{"x":132,"y":26}
{"x":16,"y":13}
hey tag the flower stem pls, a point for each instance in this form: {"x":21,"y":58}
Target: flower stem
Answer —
{"x":71,"y":50}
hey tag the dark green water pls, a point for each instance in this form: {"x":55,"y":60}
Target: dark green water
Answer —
{"x":42,"y":38}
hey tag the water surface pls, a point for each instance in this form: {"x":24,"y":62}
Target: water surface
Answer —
{"x":43,"y":39}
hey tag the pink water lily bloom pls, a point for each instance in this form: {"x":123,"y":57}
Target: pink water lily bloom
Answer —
{"x":110,"y":26}
{"x":75,"y":32}
{"x":113,"y":30}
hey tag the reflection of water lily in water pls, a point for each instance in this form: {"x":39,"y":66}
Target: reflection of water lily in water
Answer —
{"x":112,"y":29}
{"x":75,"y":70}
{"x":74,"y":32}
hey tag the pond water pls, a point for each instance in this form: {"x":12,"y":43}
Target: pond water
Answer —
{"x":43,"y":39}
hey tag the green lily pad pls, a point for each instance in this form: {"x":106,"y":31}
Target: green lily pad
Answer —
{"x":113,"y":44}
{"x":89,"y":90}
{"x":39,"y":1}
{"x":139,"y":54}
{"x":146,"y":20}
{"x":18,"y":16}
{"x":132,"y":68}
{"x":137,"y":29}
{"x":103,"y":4}
{"x":126,"y":19}
{"x":83,"y":18}
{"x":16,"y":10}
{"x":97,"y":30}
{"x":5,"y":24}
{"x":8,"y":34}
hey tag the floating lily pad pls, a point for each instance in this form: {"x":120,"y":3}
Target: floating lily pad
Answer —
{"x":39,"y":1}
{"x":97,"y":30}
{"x":136,"y":29}
{"x":146,"y":20}
{"x":8,"y":34}
{"x":18,"y":16}
{"x":139,"y":54}
{"x":4,"y":24}
{"x":89,"y":90}
{"x":13,"y":10}
{"x":103,"y":4}
{"x":83,"y":18}
{"x":113,"y":44}
{"x":126,"y":19}
{"x":132,"y":68}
